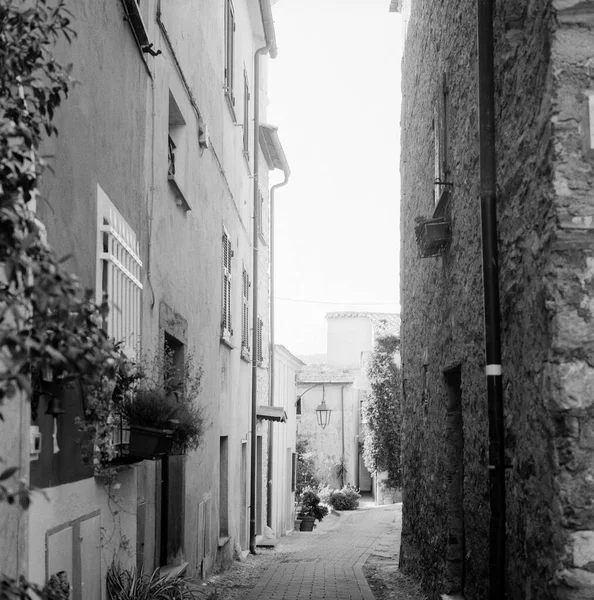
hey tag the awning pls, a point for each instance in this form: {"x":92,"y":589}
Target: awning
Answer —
{"x":272,"y":413}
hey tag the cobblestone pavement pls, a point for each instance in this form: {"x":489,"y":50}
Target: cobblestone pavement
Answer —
{"x":327,"y":564}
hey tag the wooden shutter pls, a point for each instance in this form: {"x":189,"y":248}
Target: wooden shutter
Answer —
{"x":245,"y":319}
{"x":227,"y":276}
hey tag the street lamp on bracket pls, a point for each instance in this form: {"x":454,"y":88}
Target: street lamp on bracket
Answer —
{"x":323,"y":413}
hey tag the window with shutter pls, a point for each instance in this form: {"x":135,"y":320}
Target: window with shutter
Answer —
{"x":226,"y":330}
{"x":440,"y":134}
{"x":229,"y":50}
{"x":246,"y":116}
{"x":245,"y":317}
{"x":259,"y":349}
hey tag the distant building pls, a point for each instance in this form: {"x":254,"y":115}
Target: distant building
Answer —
{"x":341,"y":383}
{"x":544,"y":145}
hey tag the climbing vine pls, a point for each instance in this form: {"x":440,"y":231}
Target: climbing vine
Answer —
{"x":48,"y":322}
{"x":382,"y":408}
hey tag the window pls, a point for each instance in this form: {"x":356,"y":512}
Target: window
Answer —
{"x":226,"y":331}
{"x":245,"y":315}
{"x":440,"y":141}
{"x":176,"y":151}
{"x":119,"y":273}
{"x":136,"y":10}
{"x":259,"y":216}
{"x":229,"y":50}
{"x":246,"y":115}
{"x":259,"y":350}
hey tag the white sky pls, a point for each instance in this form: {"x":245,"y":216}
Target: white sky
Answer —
{"x":334,"y":93}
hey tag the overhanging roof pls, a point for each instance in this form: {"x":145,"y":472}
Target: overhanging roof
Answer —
{"x":272,"y":149}
{"x":272,"y":413}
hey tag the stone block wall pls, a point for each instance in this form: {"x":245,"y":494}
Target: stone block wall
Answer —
{"x":543,"y":74}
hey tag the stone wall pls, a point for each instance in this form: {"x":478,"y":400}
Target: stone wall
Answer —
{"x":543,"y":73}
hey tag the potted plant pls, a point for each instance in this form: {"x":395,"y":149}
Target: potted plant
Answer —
{"x":151,"y":419}
{"x":311,"y":510}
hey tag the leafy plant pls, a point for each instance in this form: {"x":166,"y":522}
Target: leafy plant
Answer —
{"x":149,"y":408}
{"x":131,"y":584}
{"x":310,"y":505}
{"x":57,"y":588}
{"x":382,"y":409}
{"x":346,"y":498}
{"x":306,"y":466}
{"x":48,"y":322}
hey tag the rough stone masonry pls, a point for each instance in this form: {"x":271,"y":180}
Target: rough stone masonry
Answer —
{"x":544,"y":78}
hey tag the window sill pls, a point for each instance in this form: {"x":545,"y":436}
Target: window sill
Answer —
{"x":226,"y":340}
{"x":246,"y":354}
{"x":246,"y":158}
{"x":231,"y":105}
{"x":180,"y":198}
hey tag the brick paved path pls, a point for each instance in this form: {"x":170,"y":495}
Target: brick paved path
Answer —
{"x":327,"y":563}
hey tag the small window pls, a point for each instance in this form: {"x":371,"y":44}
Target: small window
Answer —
{"x":226,"y":331}
{"x":298,"y":406}
{"x":176,"y":151}
{"x":229,"y":50}
{"x":440,"y":136}
{"x":246,"y":116}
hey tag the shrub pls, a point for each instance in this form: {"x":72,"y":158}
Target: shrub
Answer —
{"x":324,"y":492}
{"x":310,"y":505}
{"x":345,"y":499}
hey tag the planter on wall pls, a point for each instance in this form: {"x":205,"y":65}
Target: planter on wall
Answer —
{"x":307,"y":523}
{"x":149,"y":442}
{"x":433,"y":236}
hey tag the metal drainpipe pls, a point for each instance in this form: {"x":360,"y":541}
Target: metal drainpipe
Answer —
{"x":491,"y":299}
{"x":342,"y":430}
{"x":253,"y":437}
{"x":269,"y":470}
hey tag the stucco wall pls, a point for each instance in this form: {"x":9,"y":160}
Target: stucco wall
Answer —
{"x":347,"y":339}
{"x":544,"y":177}
{"x":327,"y":443}
{"x":284,"y":434}
{"x":114,"y":132}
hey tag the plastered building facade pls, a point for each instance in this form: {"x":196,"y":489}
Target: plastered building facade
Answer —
{"x":543,"y":81}
{"x":157,"y":140}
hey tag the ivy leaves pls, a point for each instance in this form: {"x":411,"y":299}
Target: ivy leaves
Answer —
{"x":383,"y":412}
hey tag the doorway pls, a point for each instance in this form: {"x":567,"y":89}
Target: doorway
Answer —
{"x":454,"y":463}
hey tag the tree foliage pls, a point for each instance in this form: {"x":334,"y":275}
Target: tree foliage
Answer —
{"x":382,"y":410}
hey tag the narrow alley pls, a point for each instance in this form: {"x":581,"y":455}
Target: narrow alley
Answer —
{"x":351,"y":555}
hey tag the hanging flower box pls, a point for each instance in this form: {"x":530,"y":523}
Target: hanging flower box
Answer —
{"x":149,"y":442}
{"x":433,"y":236}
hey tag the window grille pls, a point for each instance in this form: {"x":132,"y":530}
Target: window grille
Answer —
{"x":226,"y":330}
{"x":245,"y":318}
{"x":119,"y":274}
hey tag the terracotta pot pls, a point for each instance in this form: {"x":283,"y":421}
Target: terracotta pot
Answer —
{"x":307,"y":523}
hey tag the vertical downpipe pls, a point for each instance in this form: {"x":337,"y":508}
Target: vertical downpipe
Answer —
{"x":253,"y":439}
{"x":488,"y":194}
{"x":269,"y":465}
